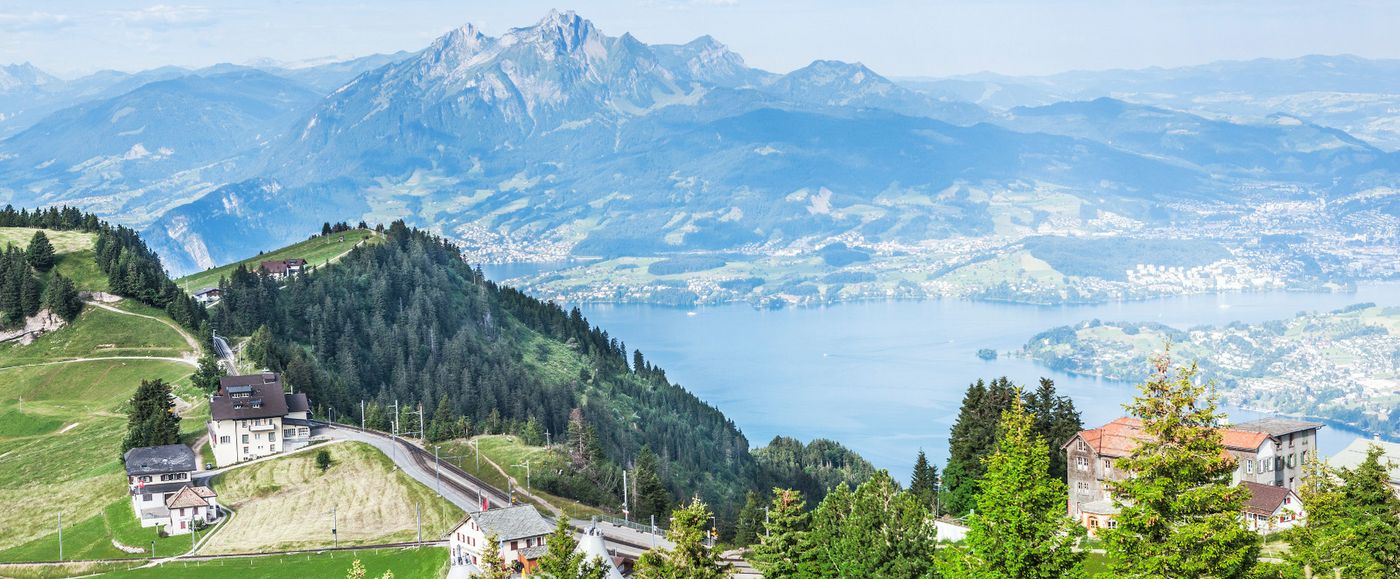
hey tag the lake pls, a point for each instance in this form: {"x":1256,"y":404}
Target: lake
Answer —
{"x":886,"y":378}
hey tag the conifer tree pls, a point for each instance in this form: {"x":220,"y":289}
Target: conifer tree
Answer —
{"x":972,"y":438}
{"x":690,"y":558}
{"x":492,"y":565}
{"x":1326,"y":542}
{"x":1179,"y":515}
{"x":560,"y":559}
{"x":1056,"y":421}
{"x":1019,"y":528}
{"x":31,"y":296}
{"x":876,"y":531}
{"x":924,"y":482}
{"x":651,"y":496}
{"x":1366,"y":489}
{"x":151,"y":418}
{"x":750,"y":523}
{"x":778,"y":552}
{"x":61,"y":298}
{"x":40,"y":254}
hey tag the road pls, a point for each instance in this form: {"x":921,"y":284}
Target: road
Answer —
{"x":466,"y":491}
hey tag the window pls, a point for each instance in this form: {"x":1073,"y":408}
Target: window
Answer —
{"x":1290,"y":440}
{"x":1093,"y":523}
{"x":245,"y":450}
{"x":271,"y":436}
{"x":1081,"y":463}
{"x":224,"y":440}
{"x":1112,"y":524}
{"x":1107,"y":465}
{"x":1303,"y":458}
{"x":1291,"y":462}
{"x":1249,"y":467}
{"x":245,"y":439}
{"x":1083,"y":446}
{"x":514,"y":545}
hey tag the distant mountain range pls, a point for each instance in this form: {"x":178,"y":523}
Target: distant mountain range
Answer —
{"x":557,"y":139}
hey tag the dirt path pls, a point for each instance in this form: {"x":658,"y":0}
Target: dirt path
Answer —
{"x":189,"y":339}
{"x":186,"y":361}
{"x":556,"y":511}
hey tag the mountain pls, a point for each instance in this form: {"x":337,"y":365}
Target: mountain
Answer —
{"x":708,"y":61}
{"x":19,"y":77}
{"x":1281,"y":147}
{"x":841,"y":84}
{"x":144,"y":151}
{"x":326,"y":75}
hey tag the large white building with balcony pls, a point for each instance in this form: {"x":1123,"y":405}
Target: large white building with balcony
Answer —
{"x":252,"y":417}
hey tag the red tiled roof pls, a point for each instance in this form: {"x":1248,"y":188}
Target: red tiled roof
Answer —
{"x":186,"y":498}
{"x":1264,"y":499}
{"x":1120,"y":437}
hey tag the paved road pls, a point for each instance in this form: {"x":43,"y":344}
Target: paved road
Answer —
{"x":466,"y":493}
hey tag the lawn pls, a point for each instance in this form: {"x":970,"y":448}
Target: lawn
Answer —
{"x":62,"y":570}
{"x":92,"y":538}
{"x":410,"y":563}
{"x":317,"y":251}
{"x":98,"y":333}
{"x":63,"y":241}
{"x":287,"y":503}
{"x":61,"y":428}
{"x":74,"y":250}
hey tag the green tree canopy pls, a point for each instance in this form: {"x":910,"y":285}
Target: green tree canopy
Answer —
{"x":1179,"y":515}
{"x":151,"y":418}
{"x":924,"y":482}
{"x":40,"y":254}
{"x":689,"y":558}
{"x":561,"y":560}
{"x":778,"y":552}
{"x":206,"y":376}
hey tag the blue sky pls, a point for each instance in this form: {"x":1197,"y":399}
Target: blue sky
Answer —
{"x":895,"y":37}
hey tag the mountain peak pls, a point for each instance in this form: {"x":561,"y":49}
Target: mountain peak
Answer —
{"x":566,"y":30}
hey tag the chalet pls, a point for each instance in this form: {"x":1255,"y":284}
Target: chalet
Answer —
{"x":163,"y":492}
{"x":285,"y":268}
{"x":520,"y":530}
{"x":1355,"y":453}
{"x":251,"y":416}
{"x":208,"y":295}
{"x":1271,"y":508}
{"x":1265,"y":451}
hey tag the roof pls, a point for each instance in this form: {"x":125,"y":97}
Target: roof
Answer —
{"x":161,"y":488}
{"x":1264,"y":499}
{"x":208,"y":290}
{"x":249,"y":380}
{"x":266,"y":400}
{"x":1277,"y":426}
{"x":511,"y":523}
{"x":1355,"y":453}
{"x":298,"y":403}
{"x":186,"y":498}
{"x":159,"y":459}
{"x":205,"y":492}
{"x":1120,"y":437}
{"x":281,"y":266}
{"x":534,"y":552}
{"x":297,"y":422}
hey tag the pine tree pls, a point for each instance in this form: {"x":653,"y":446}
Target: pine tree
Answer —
{"x":924,"y":482}
{"x":652,"y":498}
{"x":1374,"y":512}
{"x":207,"y":375}
{"x":689,"y":558}
{"x":492,"y":565}
{"x":40,"y":255}
{"x":1326,"y":542}
{"x":972,"y":438}
{"x":61,"y":298}
{"x":31,"y":296}
{"x":1056,"y":421}
{"x":151,"y":418}
{"x":876,"y":531}
{"x":748,"y":526}
{"x":778,"y":552}
{"x":560,"y":559}
{"x":1019,"y":528}
{"x":532,"y":434}
{"x":820,"y":547}
{"x":1179,"y":515}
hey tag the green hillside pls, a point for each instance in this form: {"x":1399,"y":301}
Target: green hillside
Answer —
{"x":317,"y":251}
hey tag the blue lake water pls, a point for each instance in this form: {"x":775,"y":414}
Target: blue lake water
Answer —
{"x":886,"y":378}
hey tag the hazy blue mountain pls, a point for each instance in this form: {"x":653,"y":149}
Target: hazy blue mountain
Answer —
{"x":147,"y":150}
{"x":326,"y":75}
{"x":1281,"y":147}
{"x":841,"y":84}
{"x":707,"y":60}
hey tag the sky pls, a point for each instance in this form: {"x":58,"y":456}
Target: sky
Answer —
{"x":894,"y":37}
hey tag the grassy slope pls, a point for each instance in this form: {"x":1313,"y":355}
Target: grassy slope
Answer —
{"x":506,"y":451}
{"x":286,"y":503}
{"x":414,"y":563}
{"x":63,"y":423}
{"x":316,"y":251}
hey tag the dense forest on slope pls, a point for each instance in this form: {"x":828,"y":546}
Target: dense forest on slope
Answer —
{"x":132,"y":269}
{"x":409,"y":320}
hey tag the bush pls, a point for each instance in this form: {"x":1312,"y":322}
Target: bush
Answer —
{"x":323,"y":460}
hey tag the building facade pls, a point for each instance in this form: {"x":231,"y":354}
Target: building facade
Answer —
{"x":282,"y":269}
{"x":163,"y":492}
{"x":251,"y":417}
{"x":1268,"y":452}
{"x":520,"y":530}
{"x":1271,"y":508}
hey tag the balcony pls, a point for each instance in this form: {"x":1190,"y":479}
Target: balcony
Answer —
{"x":262,"y":427}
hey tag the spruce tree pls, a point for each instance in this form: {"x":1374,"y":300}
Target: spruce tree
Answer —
{"x":819,"y":548}
{"x":151,"y":418}
{"x":1326,"y":542}
{"x":492,"y":565}
{"x":750,"y":523}
{"x":562,"y":561}
{"x":61,"y":298}
{"x":877,"y":531}
{"x":1019,"y":528}
{"x":1374,"y":512}
{"x":972,"y":438}
{"x":778,"y":552}
{"x":1179,"y":513}
{"x":689,"y":558}
{"x":40,"y":255}
{"x":652,"y":498}
{"x":1056,"y":420}
{"x":924,"y":482}
{"x":31,"y":296}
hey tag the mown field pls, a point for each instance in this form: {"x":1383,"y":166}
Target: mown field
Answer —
{"x":410,"y":563}
{"x":317,"y":251}
{"x":506,"y":451}
{"x":286,"y":503}
{"x":62,"y":423}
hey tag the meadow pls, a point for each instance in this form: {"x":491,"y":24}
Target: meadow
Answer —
{"x":414,"y":562}
{"x":317,"y":251}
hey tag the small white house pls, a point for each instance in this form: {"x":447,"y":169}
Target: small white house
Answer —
{"x":1272,"y":508}
{"x":519,"y":529}
{"x":208,"y":295}
{"x":161,"y":483}
{"x":189,"y":506}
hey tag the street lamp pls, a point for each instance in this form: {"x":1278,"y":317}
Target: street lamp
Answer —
{"x":526,"y":466}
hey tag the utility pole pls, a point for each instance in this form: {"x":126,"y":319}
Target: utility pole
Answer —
{"x":362,"y":414}
{"x":335,"y":531}
{"x":477,"y":453}
{"x":624,"y":498}
{"x":60,"y":536}
{"x":767,"y":532}
{"x":418,"y":510}
{"x":396,"y":417}
{"x":437,"y":472}
{"x":653,"y":529}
